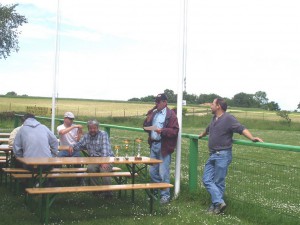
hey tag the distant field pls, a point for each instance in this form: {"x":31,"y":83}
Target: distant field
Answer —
{"x":101,"y":108}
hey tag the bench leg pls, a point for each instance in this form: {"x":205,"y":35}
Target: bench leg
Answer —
{"x":46,"y":202}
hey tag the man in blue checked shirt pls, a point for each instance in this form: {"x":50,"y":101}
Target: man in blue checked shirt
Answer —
{"x":97,"y":143}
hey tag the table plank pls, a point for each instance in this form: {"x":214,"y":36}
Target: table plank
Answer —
{"x":4,"y":135}
{"x":31,"y":161}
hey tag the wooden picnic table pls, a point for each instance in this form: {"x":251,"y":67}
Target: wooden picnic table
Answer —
{"x":8,"y":152}
{"x":4,"y":140}
{"x":134,"y":166}
{"x":4,"y":135}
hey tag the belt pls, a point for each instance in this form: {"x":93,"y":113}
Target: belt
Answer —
{"x":217,"y":152}
{"x":156,"y":141}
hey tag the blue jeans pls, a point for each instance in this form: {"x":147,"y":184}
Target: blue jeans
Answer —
{"x":215,"y":172}
{"x":66,"y":154}
{"x":160,"y":172}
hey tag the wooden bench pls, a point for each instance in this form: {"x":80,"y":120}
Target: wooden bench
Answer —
{"x":9,"y":171}
{"x":120,"y":177}
{"x":49,"y":193}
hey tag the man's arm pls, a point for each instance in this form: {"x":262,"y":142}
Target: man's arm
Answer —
{"x":80,"y":145}
{"x":204,"y":133}
{"x":248,"y":135}
{"x":17,"y":146}
{"x":12,"y":136}
{"x":68,"y":129}
{"x":53,"y":143}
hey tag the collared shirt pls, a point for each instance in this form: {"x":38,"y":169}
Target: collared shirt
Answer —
{"x":158,"y":121}
{"x":97,"y":146}
{"x":221,"y":131}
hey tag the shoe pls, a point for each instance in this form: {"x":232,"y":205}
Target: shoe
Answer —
{"x":219,"y":208}
{"x":211,"y":209}
{"x":164,"y":200}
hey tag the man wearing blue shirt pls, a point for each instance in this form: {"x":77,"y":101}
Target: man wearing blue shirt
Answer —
{"x":162,"y":141}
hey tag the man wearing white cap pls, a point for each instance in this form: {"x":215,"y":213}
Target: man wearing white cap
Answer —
{"x":69,"y":134}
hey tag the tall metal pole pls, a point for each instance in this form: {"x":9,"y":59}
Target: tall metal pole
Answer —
{"x":182,"y":72}
{"x":55,"y":69}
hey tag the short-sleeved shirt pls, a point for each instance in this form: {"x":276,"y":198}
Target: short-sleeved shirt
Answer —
{"x":69,"y":138}
{"x":221,"y":131}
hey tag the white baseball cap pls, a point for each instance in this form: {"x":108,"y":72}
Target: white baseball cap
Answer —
{"x":69,"y":115}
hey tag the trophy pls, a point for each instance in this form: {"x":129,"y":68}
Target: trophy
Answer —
{"x":138,"y":156}
{"x":117,"y":148}
{"x":126,"y":146}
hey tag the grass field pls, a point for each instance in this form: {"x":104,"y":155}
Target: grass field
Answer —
{"x":262,"y":184}
{"x":97,"y":108}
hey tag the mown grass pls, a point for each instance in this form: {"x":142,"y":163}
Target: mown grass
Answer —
{"x":262,"y":188}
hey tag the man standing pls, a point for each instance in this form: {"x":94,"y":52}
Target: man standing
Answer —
{"x":162,"y":140}
{"x":69,"y":134}
{"x":220,"y":130}
{"x":34,"y":140}
{"x":97,"y":144}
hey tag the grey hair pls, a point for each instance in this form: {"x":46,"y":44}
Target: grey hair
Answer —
{"x":93,"y":122}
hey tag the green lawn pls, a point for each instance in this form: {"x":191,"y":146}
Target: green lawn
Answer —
{"x":262,"y":188}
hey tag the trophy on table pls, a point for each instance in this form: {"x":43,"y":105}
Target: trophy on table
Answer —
{"x":138,"y":156}
{"x":126,"y":146}
{"x":117,"y":148}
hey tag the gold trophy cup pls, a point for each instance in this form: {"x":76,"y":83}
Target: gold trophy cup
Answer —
{"x":117,"y":148}
{"x":138,"y":156}
{"x":126,"y":146}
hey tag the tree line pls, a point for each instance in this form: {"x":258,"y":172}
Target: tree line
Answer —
{"x":257,"y":100}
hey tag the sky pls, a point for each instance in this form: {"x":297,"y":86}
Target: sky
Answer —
{"x":121,"y":49}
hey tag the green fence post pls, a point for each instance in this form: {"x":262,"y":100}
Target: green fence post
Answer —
{"x":16,"y":124}
{"x":193,"y":164}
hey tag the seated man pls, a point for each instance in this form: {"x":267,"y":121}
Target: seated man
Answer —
{"x":97,"y":144}
{"x":35,"y":140}
{"x":69,"y":134}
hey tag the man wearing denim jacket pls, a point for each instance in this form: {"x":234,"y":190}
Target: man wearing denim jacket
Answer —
{"x":162,"y":140}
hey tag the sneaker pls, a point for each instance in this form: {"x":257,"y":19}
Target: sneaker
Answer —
{"x":164,"y":200}
{"x":219,"y":208}
{"x":211,"y":209}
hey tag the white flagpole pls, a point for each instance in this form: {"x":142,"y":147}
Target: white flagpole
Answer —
{"x":182,"y":72}
{"x":55,"y":69}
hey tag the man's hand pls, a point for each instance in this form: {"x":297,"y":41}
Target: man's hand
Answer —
{"x":158,"y":130}
{"x":70,"y":150}
{"x":203,"y":134}
{"x":257,"y":139}
{"x":105,"y":166}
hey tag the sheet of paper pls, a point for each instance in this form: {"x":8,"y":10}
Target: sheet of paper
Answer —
{"x":150,"y":128}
